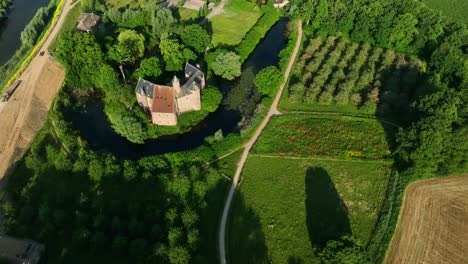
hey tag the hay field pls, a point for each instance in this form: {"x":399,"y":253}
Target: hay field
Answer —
{"x":433,"y":224}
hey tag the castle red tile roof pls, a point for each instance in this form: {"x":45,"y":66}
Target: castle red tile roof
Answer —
{"x":163,"y":99}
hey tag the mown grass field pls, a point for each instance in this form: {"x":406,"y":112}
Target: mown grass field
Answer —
{"x":230,"y":27}
{"x":286,"y":208}
{"x":335,"y":137}
{"x":187,"y":14}
{"x":455,"y":10}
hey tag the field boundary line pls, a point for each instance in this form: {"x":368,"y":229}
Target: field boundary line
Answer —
{"x":318,"y":158}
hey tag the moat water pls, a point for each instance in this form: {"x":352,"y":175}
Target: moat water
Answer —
{"x":93,"y":125}
{"x":19,"y":16}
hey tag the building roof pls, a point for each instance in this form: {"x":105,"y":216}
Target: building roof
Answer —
{"x":145,"y":88}
{"x":20,"y":251}
{"x":194,"y":78}
{"x":86,"y":21}
{"x":163,"y":99}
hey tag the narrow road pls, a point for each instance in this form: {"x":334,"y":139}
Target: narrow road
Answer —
{"x":216,"y":10}
{"x":15,"y":121}
{"x":273,"y":111}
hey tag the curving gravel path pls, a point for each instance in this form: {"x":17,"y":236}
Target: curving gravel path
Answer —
{"x":273,"y":111}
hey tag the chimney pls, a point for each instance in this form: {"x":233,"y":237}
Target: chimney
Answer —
{"x":176,"y":84}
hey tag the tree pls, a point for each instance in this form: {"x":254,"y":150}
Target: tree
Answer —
{"x":195,"y":37}
{"x":127,"y":126}
{"x":211,"y":98}
{"x":175,"y":54}
{"x":130,"y":47}
{"x":150,"y":68}
{"x":343,"y":251}
{"x":268,"y":80}
{"x":227,"y":65}
{"x":163,"y":21}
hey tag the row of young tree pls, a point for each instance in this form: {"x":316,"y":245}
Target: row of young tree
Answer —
{"x":93,"y":205}
{"x":337,"y":71}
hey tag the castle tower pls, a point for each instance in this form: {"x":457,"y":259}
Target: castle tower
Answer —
{"x":176,"y":84}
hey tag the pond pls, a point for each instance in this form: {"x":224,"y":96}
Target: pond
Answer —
{"x":19,"y":16}
{"x":94,"y":127}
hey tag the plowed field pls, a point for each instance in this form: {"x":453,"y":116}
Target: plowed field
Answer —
{"x":433,"y":223}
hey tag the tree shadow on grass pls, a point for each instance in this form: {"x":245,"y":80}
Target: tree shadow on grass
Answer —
{"x":246,"y":240}
{"x":327,"y":215}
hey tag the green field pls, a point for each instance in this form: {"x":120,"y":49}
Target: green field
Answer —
{"x":287,"y":207}
{"x":456,"y":10}
{"x":187,"y":14}
{"x":335,"y":137}
{"x":230,"y":27}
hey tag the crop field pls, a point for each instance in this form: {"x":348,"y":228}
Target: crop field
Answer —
{"x":455,"y":10}
{"x":335,"y":137}
{"x":433,"y":226}
{"x":287,"y":207}
{"x":334,"y":74}
{"x":230,"y":27}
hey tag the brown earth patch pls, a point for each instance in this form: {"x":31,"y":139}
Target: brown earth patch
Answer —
{"x":433,"y":223}
{"x":25,"y":113}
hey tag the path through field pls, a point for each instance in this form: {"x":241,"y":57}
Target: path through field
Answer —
{"x":433,"y":223}
{"x":25,"y":113}
{"x":273,"y":111}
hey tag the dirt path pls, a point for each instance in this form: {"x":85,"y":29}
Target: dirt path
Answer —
{"x":273,"y":111}
{"x":216,"y":11}
{"x":25,"y":113}
{"x":433,"y":223}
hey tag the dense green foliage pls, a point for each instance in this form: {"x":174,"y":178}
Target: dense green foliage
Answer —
{"x":121,"y":211}
{"x":150,"y":69}
{"x":337,"y":137}
{"x":227,"y":65}
{"x":287,"y":210}
{"x":268,"y":80}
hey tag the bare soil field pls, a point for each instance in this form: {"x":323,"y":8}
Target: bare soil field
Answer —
{"x":25,"y":113}
{"x":433,"y":223}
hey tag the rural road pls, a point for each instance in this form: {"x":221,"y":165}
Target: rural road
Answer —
{"x":273,"y":111}
{"x":20,"y":113}
{"x":216,"y":10}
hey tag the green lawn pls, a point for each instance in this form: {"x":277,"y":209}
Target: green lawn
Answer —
{"x":231,"y":26}
{"x":456,"y":10}
{"x":287,"y":207}
{"x":320,"y":135}
{"x":187,"y":14}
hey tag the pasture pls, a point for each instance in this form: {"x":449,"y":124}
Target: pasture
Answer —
{"x":334,"y":137}
{"x":455,"y":10}
{"x":288,"y":207}
{"x":432,"y":226}
{"x":230,"y":27}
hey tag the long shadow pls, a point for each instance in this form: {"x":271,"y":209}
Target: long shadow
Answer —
{"x":245,"y":240}
{"x":327,"y":215}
